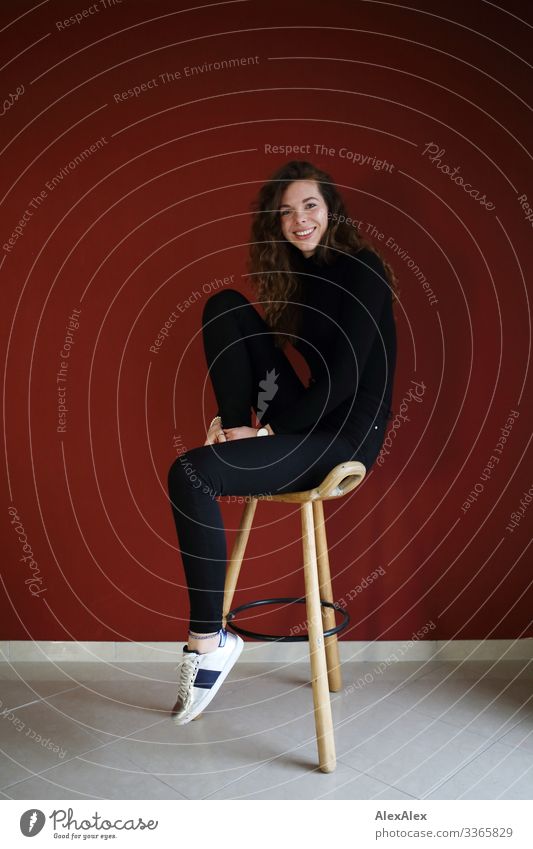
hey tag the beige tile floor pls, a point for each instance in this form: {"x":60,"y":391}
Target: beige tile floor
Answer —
{"x":415,"y":730}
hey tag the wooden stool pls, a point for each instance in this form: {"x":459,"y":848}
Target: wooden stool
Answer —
{"x":324,"y":653}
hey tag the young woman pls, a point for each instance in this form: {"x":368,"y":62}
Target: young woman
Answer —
{"x":331,"y":295}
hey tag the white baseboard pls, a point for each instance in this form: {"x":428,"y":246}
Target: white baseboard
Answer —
{"x":390,"y":651}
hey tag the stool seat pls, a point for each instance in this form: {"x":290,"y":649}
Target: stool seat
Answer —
{"x":320,"y":608}
{"x":340,"y":481}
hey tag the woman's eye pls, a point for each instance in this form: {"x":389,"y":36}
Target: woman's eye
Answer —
{"x":309,"y":205}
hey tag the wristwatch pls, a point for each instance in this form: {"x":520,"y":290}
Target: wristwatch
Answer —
{"x":262,"y":431}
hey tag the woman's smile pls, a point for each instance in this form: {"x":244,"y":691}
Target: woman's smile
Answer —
{"x":304,"y":234}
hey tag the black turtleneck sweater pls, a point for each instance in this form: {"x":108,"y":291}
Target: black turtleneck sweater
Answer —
{"x":348,"y":339}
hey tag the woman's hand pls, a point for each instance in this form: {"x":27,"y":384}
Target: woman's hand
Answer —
{"x":239,"y":432}
{"x":218,"y":434}
{"x":215,"y":433}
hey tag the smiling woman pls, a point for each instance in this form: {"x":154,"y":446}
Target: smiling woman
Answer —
{"x":304,"y":220}
{"x":330,"y":294}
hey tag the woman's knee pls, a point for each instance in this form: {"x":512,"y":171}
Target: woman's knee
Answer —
{"x":181,"y":475}
{"x":187,"y":472}
{"x":221,"y":302}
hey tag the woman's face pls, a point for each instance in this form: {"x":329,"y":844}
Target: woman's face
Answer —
{"x":303,"y":215}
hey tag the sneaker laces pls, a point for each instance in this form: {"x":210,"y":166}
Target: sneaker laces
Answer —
{"x":187,"y":672}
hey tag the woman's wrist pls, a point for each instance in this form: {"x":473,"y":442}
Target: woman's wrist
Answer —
{"x":270,"y":431}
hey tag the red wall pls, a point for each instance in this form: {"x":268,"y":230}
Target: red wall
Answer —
{"x":162,"y":207}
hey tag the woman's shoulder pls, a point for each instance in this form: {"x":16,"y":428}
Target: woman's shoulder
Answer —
{"x":364,"y":254}
{"x":366,"y":258}
{"x":343,"y":263}
{"x":362,"y":271}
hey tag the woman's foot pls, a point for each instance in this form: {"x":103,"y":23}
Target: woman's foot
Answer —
{"x":201,"y":675}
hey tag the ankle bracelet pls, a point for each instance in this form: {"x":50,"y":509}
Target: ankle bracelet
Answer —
{"x":204,"y":636}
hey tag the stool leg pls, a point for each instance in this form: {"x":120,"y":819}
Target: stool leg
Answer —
{"x":237,"y":555}
{"x":326,"y":594}
{"x":319,"y":670}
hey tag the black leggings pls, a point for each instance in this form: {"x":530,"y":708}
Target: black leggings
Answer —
{"x":240,"y":351}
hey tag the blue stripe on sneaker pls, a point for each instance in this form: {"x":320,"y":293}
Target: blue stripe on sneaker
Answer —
{"x":205,"y":678}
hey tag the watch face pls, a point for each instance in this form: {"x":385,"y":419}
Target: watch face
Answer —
{"x":262,"y":431}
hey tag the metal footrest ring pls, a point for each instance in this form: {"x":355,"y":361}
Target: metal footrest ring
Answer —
{"x":281,"y":638}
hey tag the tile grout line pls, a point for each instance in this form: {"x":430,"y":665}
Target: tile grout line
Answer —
{"x":93,"y":749}
{"x":490,"y":743}
{"x":487,"y":737}
{"x":41,"y":698}
{"x":374,"y":778}
{"x":140,"y":769}
{"x":463,"y":766}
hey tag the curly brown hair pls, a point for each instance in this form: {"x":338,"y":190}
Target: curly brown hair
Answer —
{"x":273,"y":276}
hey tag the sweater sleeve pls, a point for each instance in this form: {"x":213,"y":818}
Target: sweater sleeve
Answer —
{"x":365,"y":293}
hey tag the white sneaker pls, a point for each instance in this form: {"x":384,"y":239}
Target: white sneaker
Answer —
{"x":201,"y":675}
